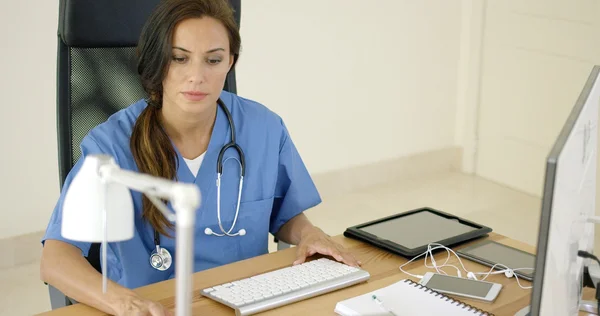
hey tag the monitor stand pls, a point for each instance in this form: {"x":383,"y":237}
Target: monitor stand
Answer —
{"x":590,"y":307}
{"x":593,"y":271}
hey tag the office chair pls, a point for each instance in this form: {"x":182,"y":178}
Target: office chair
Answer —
{"x":97,"y":76}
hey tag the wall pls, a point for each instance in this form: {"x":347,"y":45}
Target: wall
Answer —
{"x":537,"y":55}
{"x":356,"y":83}
{"x":468,"y":83}
{"x":28,"y":159}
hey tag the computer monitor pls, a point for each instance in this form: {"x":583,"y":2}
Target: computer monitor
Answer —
{"x":568,"y":201}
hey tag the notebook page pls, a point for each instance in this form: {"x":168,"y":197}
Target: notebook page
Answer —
{"x":403,"y":298}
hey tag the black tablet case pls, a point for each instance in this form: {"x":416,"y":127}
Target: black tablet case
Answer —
{"x":357,"y":233}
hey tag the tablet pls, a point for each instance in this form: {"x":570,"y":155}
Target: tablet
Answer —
{"x":409,"y":233}
{"x":489,"y":253}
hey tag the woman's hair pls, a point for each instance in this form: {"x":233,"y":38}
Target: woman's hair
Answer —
{"x":150,"y":145}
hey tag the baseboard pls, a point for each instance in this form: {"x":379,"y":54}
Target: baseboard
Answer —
{"x":26,"y":249}
{"x":360,"y":177}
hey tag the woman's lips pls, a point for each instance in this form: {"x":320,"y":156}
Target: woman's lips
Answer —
{"x":195,"y":95}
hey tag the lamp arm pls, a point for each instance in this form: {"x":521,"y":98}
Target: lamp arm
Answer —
{"x":144,"y":183}
{"x":153,"y":187}
{"x":161,"y":207}
{"x":185,"y":199}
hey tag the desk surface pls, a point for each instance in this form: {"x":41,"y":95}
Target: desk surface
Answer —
{"x":382,"y":266}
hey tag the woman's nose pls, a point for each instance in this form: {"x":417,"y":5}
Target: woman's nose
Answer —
{"x":197,"y":73}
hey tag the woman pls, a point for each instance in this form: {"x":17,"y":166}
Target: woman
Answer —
{"x":185,"y":51}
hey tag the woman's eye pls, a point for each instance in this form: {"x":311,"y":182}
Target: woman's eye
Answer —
{"x":179,"y":59}
{"x":214,"y":61}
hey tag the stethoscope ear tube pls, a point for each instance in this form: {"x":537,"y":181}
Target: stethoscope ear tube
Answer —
{"x":242,"y":163}
{"x":232,"y":143}
{"x":222,"y":153}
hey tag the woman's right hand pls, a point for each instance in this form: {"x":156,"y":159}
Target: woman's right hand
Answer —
{"x":64,"y":267}
{"x":136,"y":306}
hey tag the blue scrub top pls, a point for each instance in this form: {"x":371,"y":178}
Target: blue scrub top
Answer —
{"x":276,"y":188}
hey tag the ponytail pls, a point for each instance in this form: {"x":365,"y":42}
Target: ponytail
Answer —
{"x":154,"y":155}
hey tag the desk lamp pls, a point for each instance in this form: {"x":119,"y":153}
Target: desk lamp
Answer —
{"x":98,"y":208}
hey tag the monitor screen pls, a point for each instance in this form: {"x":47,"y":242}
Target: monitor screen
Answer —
{"x":568,"y":201}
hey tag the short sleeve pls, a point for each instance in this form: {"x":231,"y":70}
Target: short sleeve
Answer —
{"x":53,"y":230}
{"x":295,"y":190}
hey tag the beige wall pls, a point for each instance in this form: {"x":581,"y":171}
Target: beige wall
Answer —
{"x":537,"y":55}
{"x":28,"y":159}
{"x":379,"y":77}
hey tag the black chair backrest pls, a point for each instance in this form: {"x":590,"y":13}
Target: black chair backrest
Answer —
{"x":97,"y":71}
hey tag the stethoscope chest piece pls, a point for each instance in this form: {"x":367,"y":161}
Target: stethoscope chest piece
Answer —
{"x":161,"y":259}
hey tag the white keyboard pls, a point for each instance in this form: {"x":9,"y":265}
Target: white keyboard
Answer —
{"x":284,"y":286}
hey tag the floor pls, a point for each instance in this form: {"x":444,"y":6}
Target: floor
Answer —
{"x":507,"y":211}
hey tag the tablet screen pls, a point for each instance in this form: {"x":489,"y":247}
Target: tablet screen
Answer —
{"x":418,"y":229}
{"x":508,"y":256}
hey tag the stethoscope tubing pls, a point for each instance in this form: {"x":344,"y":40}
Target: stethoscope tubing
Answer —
{"x":163,"y":253}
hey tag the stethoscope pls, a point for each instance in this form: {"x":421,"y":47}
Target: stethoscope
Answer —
{"x":160,"y":258}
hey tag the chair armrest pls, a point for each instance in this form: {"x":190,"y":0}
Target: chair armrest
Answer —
{"x":57,"y":298}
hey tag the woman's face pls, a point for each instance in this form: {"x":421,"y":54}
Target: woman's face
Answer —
{"x":198,"y":67}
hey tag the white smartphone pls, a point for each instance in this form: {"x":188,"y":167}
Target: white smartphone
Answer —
{"x":480,"y":290}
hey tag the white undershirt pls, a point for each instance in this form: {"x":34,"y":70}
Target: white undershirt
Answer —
{"x":194,"y":164}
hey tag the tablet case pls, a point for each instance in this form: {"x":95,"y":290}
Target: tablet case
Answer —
{"x":357,"y":233}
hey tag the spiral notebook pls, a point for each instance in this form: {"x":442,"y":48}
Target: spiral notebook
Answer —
{"x":405,"y":297}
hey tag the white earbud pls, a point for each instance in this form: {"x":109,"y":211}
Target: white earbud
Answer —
{"x":208,"y":231}
{"x":242,"y":232}
{"x":509,"y":273}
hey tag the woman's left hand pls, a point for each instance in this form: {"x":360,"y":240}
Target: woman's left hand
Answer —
{"x":316,"y":241}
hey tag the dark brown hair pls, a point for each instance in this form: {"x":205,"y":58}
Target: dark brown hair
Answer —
{"x":150,"y":145}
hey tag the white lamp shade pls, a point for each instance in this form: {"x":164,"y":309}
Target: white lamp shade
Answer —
{"x":82,"y":218}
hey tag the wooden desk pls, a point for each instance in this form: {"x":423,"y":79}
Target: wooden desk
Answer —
{"x":382,"y":266}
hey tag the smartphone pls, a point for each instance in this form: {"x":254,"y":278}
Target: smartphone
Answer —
{"x":490,"y":253}
{"x":480,"y":290}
